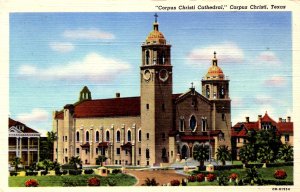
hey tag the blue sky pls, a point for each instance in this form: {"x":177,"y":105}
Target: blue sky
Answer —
{"x":53,"y":55}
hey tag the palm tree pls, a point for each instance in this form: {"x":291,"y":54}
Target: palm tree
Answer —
{"x":201,"y":153}
{"x":223,"y":154}
{"x":51,"y":138}
{"x":16,"y":162}
{"x":252,"y":177}
{"x":247,"y":153}
{"x":75,"y":161}
{"x":100,"y":159}
{"x":286,"y":153}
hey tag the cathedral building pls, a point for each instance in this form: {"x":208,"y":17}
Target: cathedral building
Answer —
{"x":157,"y":128}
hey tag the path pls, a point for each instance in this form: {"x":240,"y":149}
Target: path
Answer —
{"x":161,"y":176}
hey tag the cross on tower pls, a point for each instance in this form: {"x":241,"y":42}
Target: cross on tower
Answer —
{"x":215,"y":54}
{"x":155,"y":15}
{"x":192,"y":84}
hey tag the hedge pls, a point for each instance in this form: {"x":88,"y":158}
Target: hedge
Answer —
{"x":75,"y":172}
{"x":88,"y":171}
{"x":13,"y":173}
{"x":291,"y":163}
{"x":257,"y":165}
{"x":277,"y":182}
{"x":31,"y":173}
{"x":227,"y":167}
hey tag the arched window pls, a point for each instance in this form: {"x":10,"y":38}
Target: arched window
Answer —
{"x":207,"y":91}
{"x":203,"y":124}
{"x":140,"y":136}
{"x":193,"y":123}
{"x":97,"y":136}
{"x":222,"y":92}
{"x":181,"y":124}
{"x":87,"y":136}
{"x":107,"y":136}
{"x":77,"y":136}
{"x":147,"y":153}
{"x":147,"y":57}
{"x":118,"y":136}
{"x":128,"y":135}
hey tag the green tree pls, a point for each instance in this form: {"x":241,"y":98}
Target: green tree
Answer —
{"x":267,"y":144}
{"x":100,"y":159}
{"x":75,"y":161}
{"x":247,"y":153}
{"x":201,"y":153}
{"x":265,"y":154}
{"x":286,"y":153}
{"x":223,"y":154}
{"x":16,"y":162}
{"x":47,"y":164}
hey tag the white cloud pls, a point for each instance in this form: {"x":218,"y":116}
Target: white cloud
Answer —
{"x":88,"y":34}
{"x":62,"y":47}
{"x":94,"y":68}
{"x":267,"y":57}
{"x":275,"y":81}
{"x":227,"y":52}
{"x":35,"y":116}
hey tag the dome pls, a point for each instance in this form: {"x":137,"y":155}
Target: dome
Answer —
{"x":214,"y":71}
{"x":155,"y":36}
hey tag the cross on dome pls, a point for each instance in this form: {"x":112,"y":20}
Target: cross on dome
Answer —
{"x":155,"y":15}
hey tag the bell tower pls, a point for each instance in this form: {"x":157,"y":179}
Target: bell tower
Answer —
{"x":215,"y":87}
{"x":156,"y":97}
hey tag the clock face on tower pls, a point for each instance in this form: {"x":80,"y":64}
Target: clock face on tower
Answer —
{"x":147,"y":75}
{"x":163,"y":75}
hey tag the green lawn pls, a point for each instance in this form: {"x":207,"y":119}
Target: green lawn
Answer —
{"x":72,"y":180}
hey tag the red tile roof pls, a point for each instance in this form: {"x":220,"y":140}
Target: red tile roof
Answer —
{"x":285,"y":127}
{"x":12,"y":123}
{"x":282,"y":127}
{"x":267,"y":118}
{"x":126,"y":106}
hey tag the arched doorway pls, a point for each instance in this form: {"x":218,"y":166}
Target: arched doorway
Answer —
{"x":184,"y":152}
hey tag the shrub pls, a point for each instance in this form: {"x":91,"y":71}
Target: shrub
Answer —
{"x":13,"y":173}
{"x":75,"y":172}
{"x":31,"y":173}
{"x":223,"y":180}
{"x":191,"y":178}
{"x":150,"y":182}
{"x":116,"y":171}
{"x":175,"y":182}
{"x":200,"y":177}
{"x":280,"y":174}
{"x":31,"y":183}
{"x":88,"y":171}
{"x":64,"y":172}
{"x":44,"y":172}
{"x":211,"y":177}
{"x":233,"y":176}
{"x":94,"y":181}
{"x":58,"y":172}
{"x":183,"y":183}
